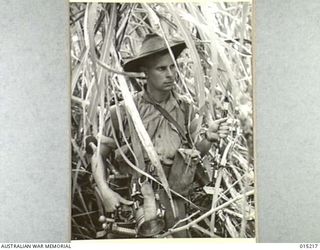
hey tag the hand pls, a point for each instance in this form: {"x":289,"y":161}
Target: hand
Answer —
{"x":218,"y":129}
{"x":112,"y":200}
{"x":107,"y":141}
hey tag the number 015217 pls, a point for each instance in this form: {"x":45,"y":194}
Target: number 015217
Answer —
{"x":309,"y":245}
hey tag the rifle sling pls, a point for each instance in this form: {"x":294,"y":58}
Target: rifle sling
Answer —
{"x":165,"y":114}
{"x":168,"y":117}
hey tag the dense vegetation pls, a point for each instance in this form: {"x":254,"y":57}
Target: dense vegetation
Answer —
{"x":214,"y":72}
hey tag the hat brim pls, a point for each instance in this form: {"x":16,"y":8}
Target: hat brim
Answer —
{"x":134,"y":64}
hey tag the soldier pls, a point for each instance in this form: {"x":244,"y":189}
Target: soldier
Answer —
{"x":170,"y":121}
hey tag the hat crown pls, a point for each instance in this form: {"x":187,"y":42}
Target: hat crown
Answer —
{"x":152,"y":43}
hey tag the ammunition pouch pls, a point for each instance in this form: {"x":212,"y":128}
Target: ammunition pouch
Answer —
{"x":182,"y":173}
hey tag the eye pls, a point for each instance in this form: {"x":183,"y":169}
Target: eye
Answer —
{"x":172,"y":67}
{"x":162,"y":68}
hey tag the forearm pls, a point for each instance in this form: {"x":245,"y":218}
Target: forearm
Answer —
{"x":99,"y":170}
{"x":99,"y":173}
{"x":111,"y":200}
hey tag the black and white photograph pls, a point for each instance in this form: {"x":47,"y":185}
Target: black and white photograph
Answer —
{"x":162,"y":120}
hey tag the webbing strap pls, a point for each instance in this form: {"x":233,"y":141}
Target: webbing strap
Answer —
{"x":168,"y":117}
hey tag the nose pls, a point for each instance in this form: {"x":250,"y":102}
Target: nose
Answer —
{"x":170,"y":72}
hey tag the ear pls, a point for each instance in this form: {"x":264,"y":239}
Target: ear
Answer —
{"x":144,"y":70}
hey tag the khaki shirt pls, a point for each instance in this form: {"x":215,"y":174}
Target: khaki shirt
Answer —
{"x":164,"y":135}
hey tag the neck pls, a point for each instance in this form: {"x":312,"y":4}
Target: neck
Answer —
{"x":158,"y":96}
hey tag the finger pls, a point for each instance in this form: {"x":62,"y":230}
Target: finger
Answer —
{"x":113,"y":208}
{"x":221,"y":120}
{"x":225,"y":124}
{"x":105,"y":140}
{"x":101,"y":137}
{"x":223,"y":132}
{"x":230,"y":121}
{"x":223,"y":135}
{"x":125,"y":202}
{"x":109,"y":209}
{"x":224,"y":127}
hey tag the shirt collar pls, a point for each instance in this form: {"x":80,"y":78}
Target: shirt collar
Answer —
{"x":172,"y":100}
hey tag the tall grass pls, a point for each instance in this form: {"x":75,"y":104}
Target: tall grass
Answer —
{"x":216,"y":65}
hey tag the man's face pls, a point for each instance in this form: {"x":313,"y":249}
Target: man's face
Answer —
{"x":160,"y":71}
